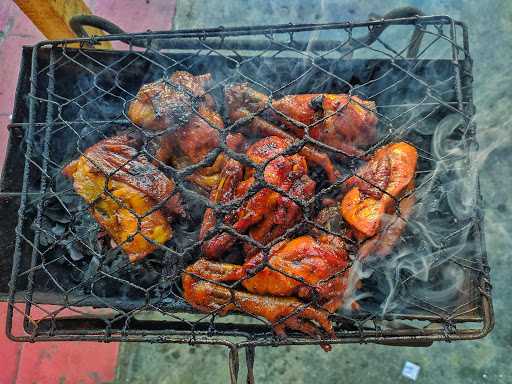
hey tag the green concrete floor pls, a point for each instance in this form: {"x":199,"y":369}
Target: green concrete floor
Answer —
{"x":485,"y":361}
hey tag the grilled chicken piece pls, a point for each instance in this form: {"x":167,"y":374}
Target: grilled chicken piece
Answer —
{"x":261,"y":127}
{"x":341,"y":121}
{"x":230,"y":177}
{"x":300,"y":271}
{"x":188,"y":123}
{"x":392,"y":227}
{"x":317,"y":262}
{"x":349,"y":120}
{"x":124,"y":189}
{"x":267,"y":214}
{"x":387,"y":176}
{"x":167,"y":103}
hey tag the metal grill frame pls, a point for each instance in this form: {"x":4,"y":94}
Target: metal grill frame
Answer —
{"x":153,"y":331}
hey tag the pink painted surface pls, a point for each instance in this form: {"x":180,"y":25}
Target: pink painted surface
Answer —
{"x":49,"y":362}
{"x":136,"y":15}
{"x":17,"y":31}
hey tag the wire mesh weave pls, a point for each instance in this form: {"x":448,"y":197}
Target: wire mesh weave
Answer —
{"x":434,"y":285}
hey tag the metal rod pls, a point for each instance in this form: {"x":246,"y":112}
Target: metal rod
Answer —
{"x":23,"y":198}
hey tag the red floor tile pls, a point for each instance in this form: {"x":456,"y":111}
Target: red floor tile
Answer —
{"x":55,"y":362}
{"x":9,"y":350}
{"x":67,"y":362}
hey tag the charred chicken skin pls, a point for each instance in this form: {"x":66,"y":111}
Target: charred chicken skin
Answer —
{"x":300,"y":284}
{"x":165,"y":103}
{"x":369,"y":205}
{"x":124,"y":190}
{"x":341,"y":121}
{"x":185,"y":116}
{"x":267,"y":214}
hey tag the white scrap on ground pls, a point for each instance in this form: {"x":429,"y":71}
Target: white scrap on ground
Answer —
{"x":411,"y":370}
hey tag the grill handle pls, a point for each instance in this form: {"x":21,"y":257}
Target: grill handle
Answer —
{"x":398,"y":13}
{"x":78,"y":22}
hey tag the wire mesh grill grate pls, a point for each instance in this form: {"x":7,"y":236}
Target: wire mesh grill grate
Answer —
{"x":432,"y":286}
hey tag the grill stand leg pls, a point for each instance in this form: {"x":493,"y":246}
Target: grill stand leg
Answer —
{"x":233,"y":364}
{"x":250,"y":353}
